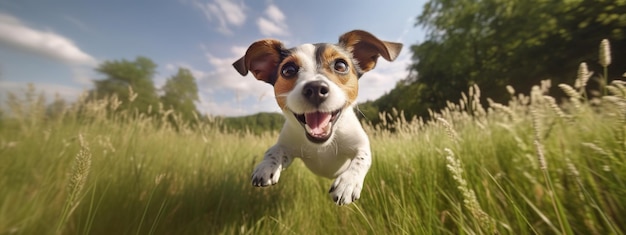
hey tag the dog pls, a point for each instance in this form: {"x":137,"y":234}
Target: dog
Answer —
{"x":316,"y":87}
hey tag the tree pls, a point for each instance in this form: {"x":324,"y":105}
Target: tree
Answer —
{"x":124,"y":76}
{"x":57,"y":108}
{"x":494,"y":43}
{"x":180,"y":94}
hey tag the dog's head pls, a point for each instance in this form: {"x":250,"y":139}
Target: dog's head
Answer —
{"x":315,"y":83}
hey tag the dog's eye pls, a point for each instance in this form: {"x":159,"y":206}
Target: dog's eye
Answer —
{"x":340,"y":66}
{"x":289,"y":70}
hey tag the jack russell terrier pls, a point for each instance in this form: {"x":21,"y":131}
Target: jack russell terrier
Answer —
{"x":316,"y":86}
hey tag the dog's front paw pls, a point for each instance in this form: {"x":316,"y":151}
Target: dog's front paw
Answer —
{"x":346,"y":188}
{"x":266,"y":174}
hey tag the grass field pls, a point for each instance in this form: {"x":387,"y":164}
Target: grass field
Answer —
{"x":526,"y":167}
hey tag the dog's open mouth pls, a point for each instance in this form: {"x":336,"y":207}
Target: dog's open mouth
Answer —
{"x":318,"y":125}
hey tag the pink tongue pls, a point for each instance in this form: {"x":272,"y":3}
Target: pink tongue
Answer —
{"x":317,"y":122}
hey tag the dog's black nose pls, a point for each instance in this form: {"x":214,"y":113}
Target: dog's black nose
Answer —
{"x":316,"y":92}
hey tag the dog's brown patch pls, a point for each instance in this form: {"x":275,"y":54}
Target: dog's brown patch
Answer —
{"x":284,"y":85}
{"x":327,"y":56}
{"x":262,"y":58}
{"x":366,"y":48}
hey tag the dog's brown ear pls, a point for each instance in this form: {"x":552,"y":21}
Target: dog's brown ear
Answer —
{"x":366,"y":48}
{"x":262,"y":59}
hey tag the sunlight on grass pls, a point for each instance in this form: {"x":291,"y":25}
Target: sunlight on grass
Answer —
{"x":530,"y":166}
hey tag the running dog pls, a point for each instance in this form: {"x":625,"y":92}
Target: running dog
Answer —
{"x":316,"y":86}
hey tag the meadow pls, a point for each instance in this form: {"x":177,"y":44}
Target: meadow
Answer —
{"x":528,"y":166}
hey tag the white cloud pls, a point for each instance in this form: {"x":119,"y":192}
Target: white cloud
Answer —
{"x":238,"y":51}
{"x":223,"y":91}
{"x":224,"y":76}
{"x":384,"y":77}
{"x":16,"y":34}
{"x":82,"y":75}
{"x":172,"y":69}
{"x":274,"y":13}
{"x":273,"y":23}
{"x":227,"y":13}
{"x":206,"y":105}
{"x":269,"y":28}
{"x":235,"y":107}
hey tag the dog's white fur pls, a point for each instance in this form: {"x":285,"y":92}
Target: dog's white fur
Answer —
{"x":346,"y":155}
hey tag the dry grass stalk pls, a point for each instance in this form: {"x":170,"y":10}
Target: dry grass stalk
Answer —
{"x":503,"y":108}
{"x":555,"y":107}
{"x":449,"y":129}
{"x":469,"y":197}
{"x":78,"y":178}
{"x":605,"y":53}
{"x":582,"y":77}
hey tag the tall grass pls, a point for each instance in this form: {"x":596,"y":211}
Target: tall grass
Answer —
{"x":525,"y":167}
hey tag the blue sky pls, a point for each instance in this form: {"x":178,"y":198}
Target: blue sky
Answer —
{"x":57,"y":44}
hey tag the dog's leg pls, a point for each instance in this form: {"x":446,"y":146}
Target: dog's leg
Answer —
{"x":268,"y":171}
{"x":347,"y":187}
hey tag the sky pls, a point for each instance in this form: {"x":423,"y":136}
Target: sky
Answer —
{"x":56,"y":45}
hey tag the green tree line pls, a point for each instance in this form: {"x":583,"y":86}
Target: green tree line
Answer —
{"x":132,"y":82}
{"x":256,"y":124}
{"x":129,"y":87}
{"x":495,"y":43}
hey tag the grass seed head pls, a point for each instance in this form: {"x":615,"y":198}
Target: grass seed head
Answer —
{"x":131,"y":94}
{"x":82,"y":163}
{"x":571,"y":92}
{"x":582,"y":76}
{"x":469,"y":196}
{"x":552,"y":104}
{"x":605,"y":53}
{"x":543,"y":165}
{"x":449,"y":129}
{"x":510,"y":89}
{"x":500,"y":107}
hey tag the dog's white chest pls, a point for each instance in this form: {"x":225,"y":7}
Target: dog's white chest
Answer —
{"x":331,"y":159}
{"x":326,"y":162}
